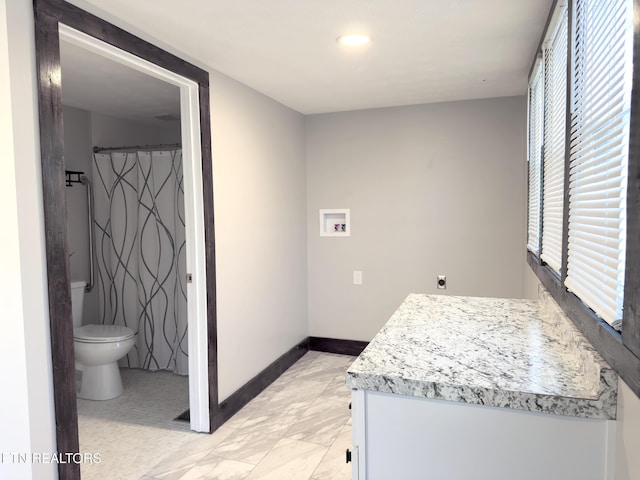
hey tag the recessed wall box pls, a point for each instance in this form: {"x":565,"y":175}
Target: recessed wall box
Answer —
{"x":335,"y":222}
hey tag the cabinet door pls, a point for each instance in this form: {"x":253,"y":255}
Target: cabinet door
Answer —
{"x":358,"y":432}
{"x":421,"y":439}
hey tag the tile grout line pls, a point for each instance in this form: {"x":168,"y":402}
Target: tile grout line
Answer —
{"x":319,"y":366}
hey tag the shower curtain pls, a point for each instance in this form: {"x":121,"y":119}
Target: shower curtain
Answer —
{"x":140,"y":253}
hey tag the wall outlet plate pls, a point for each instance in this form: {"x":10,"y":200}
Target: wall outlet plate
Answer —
{"x":442,"y":282}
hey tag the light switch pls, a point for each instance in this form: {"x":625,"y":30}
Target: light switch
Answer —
{"x":357,"y":277}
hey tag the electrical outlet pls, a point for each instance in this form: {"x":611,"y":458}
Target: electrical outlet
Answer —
{"x":442,"y":282}
{"x":357,"y":277}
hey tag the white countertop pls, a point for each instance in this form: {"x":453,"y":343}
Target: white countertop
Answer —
{"x":511,"y":353}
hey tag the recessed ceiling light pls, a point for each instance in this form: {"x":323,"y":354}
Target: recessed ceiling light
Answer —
{"x":353,"y":40}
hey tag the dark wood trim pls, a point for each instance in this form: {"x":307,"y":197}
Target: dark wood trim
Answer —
{"x":631,"y":322}
{"x":541,"y":170}
{"x":47,"y":16}
{"x":600,"y":334}
{"x":96,"y":27}
{"x":210,"y":250}
{"x":56,"y":245}
{"x":334,"y":345}
{"x":621,"y":351}
{"x":232,"y":405}
{"x":564,"y":254}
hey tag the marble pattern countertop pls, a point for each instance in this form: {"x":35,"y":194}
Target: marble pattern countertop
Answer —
{"x":510,"y":353}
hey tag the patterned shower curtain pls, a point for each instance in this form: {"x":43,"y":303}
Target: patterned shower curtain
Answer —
{"x":140,"y":253}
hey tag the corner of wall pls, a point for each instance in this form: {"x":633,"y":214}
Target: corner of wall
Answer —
{"x":28,"y":375}
{"x":627,"y":434}
{"x":423,"y":203}
{"x":259,"y":196}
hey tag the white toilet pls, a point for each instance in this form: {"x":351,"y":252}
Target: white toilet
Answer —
{"x":98,"y":349}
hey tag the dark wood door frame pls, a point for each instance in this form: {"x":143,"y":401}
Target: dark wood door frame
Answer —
{"x":48,"y":14}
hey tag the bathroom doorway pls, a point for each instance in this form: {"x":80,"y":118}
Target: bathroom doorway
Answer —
{"x":75,"y":39}
{"x":123,"y":157}
{"x":55,"y":21}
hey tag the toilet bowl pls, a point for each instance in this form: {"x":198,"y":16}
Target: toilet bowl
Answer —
{"x":97,"y":349}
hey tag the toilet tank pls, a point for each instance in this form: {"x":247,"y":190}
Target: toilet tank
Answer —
{"x":77,"y":300}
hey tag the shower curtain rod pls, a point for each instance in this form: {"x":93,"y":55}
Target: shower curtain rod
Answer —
{"x":138,"y":147}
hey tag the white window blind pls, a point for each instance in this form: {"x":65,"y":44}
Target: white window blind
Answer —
{"x":534,"y":158}
{"x":555,"y":104}
{"x":598,"y":153}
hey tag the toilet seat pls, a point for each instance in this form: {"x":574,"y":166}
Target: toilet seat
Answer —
{"x":102,"y":333}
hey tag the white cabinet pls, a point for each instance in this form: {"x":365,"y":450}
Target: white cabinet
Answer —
{"x":399,"y":437}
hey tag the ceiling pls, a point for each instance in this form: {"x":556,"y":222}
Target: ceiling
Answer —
{"x":97,"y":84}
{"x":421,"y":51}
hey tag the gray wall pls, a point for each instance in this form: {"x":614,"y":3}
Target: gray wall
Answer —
{"x":25,"y":360}
{"x":433,"y":189}
{"x":628,"y":434}
{"x":259,"y":196}
{"x":77,"y":156}
{"x":26,"y":407}
{"x":108,"y":131}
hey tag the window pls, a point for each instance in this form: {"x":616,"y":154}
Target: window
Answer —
{"x":602,"y":51}
{"x":534,"y":153}
{"x":599,"y":148}
{"x":555,"y":111}
{"x":588,"y":182}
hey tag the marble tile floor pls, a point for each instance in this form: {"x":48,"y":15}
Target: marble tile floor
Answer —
{"x":129,"y":432}
{"x":298,"y":428}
